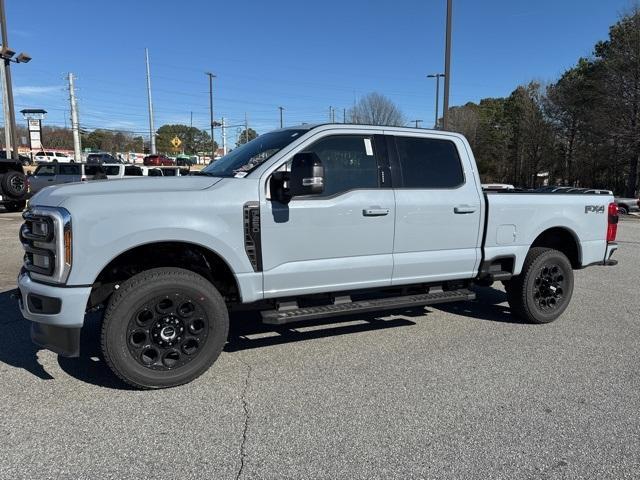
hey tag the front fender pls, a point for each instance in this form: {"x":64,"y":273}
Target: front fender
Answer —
{"x":102,"y":232}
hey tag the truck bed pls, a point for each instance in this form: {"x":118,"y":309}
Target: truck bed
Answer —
{"x":514,"y":220}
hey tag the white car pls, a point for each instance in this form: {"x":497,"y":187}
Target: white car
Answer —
{"x":117,"y":170}
{"x":53,"y":157}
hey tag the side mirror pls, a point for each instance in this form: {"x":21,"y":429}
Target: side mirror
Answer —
{"x":307,"y":174}
{"x":305,"y":178}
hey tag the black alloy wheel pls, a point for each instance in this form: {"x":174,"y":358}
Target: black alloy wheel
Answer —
{"x":544,"y":287}
{"x":168,"y":332}
{"x":549,"y":287}
{"x":164,"y":327}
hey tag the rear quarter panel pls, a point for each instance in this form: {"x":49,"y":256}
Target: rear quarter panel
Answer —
{"x":515,"y":220}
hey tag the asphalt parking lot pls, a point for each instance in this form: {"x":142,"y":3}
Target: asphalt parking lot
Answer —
{"x":453,"y":391}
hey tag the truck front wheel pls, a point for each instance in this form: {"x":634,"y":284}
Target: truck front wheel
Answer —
{"x":164,"y":327}
{"x":543,"y":289}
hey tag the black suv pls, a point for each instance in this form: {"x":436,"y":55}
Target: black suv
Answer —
{"x":100,"y":158}
{"x":13,"y":185}
{"x":23,"y":158}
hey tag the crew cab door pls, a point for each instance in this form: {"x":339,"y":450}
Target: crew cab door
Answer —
{"x":340,"y":239}
{"x":438,"y":209}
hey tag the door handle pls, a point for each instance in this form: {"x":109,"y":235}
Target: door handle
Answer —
{"x":461,"y":209}
{"x":375,"y":212}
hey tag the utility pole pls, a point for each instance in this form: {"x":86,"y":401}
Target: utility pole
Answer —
{"x":77,"y":154}
{"x":5,"y":110}
{"x":191,"y":121}
{"x":152,"y":130}
{"x":344,"y":115}
{"x":7,"y":53}
{"x":213,"y":140}
{"x":447,"y":68}
{"x":417,"y":122}
{"x":224,"y":137}
{"x":437,"y":77}
{"x":246,"y":128}
{"x":281,"y":122}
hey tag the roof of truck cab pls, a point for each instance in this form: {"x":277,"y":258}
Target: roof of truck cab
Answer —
{"x":360,"y":126}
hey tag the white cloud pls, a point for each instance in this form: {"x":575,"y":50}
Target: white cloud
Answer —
{"x":36,"y":91}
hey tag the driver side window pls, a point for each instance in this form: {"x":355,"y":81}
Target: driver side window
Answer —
{"x":349,"y":163}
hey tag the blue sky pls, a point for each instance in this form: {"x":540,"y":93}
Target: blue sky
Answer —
{"x":304,"y":56}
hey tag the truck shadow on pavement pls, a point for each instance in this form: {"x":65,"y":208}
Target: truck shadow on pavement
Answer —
{"x":486,"y":306}
{"x":246,"y":332}
{"x":16,"y":348}
{"x":91,"y":368}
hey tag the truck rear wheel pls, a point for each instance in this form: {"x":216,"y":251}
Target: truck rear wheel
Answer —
{"x":164,"y":327}
{"x":543,"y":289}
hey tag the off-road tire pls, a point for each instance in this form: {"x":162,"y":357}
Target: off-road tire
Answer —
{"x":543,"y":290}
{"x":138,"y":294}
{"x":14,"y":184}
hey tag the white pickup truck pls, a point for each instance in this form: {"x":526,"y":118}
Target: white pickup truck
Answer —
{"x":301,"y":223}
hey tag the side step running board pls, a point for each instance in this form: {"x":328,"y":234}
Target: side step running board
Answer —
{"x":295,"y":314}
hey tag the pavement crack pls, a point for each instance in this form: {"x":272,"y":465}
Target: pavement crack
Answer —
{"x":245,"y":428}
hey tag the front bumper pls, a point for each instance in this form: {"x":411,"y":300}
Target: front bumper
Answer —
{"x":57,"y":314}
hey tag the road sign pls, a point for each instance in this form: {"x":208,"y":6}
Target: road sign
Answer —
{"x":176,"y":142}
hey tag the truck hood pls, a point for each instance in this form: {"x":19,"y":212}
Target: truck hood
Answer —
{"x":56,"y":195}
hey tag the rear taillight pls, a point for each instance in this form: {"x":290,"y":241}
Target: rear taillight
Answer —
{"x":612,"y":223}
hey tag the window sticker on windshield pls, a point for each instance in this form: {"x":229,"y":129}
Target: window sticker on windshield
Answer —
{"x":368,"y":147}
{"x":240,"y":174}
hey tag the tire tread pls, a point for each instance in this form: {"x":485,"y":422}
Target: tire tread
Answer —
{"x":131,"y":284}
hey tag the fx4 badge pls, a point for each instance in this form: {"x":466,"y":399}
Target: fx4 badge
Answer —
{"x":594,"y":209}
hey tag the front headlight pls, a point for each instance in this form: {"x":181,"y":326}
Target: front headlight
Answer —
{"x":46,"y":237}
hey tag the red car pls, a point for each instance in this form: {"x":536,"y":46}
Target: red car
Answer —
{"x":157,"y":161}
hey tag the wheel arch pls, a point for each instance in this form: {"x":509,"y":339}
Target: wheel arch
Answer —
{"x":562,"y":239}
{"x":181,"y":254}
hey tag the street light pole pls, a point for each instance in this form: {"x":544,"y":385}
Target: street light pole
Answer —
{"x":281,"y":122}
{"x":152,"y":130}
{"x":213,"y":141}
{"x":5,"y":110}
{"x":77,"y":155}
{"x":437,"y":77}
{"x":6,"y":56}
{"x":447,"y":68}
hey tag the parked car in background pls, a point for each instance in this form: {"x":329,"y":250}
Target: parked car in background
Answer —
{"x":498,"y":186}
{"x":186,"y":160}
{"x":627,"y":205}
{"x":174,"y":171}
{"x":52,"y":157}
{"x":13,"y":185}
{"x":99,"y":158}
{"x":56,"y":173}
{"x":115,"y":171}
{"x":23,"y":158}
{"x":565,"y":189}
{"x":157,"y":160}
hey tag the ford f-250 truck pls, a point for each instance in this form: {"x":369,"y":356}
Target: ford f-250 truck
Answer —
{"x":301,"y":223}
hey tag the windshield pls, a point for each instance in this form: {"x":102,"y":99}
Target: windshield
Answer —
{"x":249,"y":156}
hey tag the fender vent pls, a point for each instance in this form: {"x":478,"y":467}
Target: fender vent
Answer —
{"x":252,"y":243}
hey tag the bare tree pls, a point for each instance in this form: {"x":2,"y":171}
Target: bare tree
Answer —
{"x":376,"y":109}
